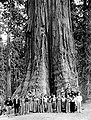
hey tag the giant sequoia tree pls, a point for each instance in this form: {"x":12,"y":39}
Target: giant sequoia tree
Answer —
{"x":49,"y":47}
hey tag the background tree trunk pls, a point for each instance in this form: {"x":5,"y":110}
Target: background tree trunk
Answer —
{"x":2,"y":72}
{"x":88,"y":48}
{"x":8,"y":72}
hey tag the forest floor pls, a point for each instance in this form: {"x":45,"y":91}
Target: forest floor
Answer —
{"x":85,"y":115}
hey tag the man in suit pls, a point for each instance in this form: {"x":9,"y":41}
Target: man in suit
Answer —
{"x":8,"y":104}
{"x":16,"y":103}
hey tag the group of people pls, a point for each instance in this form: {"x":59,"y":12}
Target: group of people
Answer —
{"x":63,"y":102}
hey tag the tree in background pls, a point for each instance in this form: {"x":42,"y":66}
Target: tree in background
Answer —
{"x":81,"y":30}
{"x":14,"y":20}
{"x":2,"y":61}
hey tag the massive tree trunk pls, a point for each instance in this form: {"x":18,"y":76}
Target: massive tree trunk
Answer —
{"x":52,"y":60}
{"x":37,"y":74}
{"x":63,"y":58}
{"x":39,"y":81}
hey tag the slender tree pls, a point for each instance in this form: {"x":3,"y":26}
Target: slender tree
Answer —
{"x":88,"y":46}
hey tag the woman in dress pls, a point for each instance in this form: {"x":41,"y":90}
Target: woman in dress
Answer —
{"x":79,"y":100}
{"x":35,"y":105}
{"x":30,"y":104}
{"x":50,"y":105}
{"x":68,"y":103}
{"x":22,"y":103}
{"x":26,"y":104}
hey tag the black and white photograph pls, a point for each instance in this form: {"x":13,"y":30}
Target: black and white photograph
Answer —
{"x":45,"y":59}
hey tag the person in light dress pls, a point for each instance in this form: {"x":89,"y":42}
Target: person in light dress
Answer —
{"x":79,"y":100}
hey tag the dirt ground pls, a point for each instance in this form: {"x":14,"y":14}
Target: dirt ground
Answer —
{"x":85,"y":115}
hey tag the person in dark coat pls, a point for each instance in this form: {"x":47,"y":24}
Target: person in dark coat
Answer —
{"x":16,"y":103}
{"x":8,"y":104}
{"x":72,"y":104}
